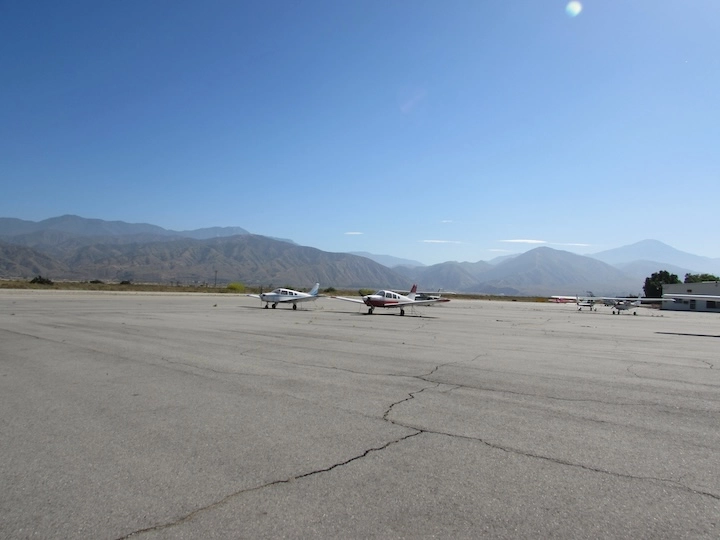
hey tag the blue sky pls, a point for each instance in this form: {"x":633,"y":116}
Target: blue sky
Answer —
{"x":435,"y":131}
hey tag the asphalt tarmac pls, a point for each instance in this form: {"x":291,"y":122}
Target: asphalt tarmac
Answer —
{"x":205,"y":416}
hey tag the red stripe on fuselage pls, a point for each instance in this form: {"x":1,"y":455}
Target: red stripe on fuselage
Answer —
{"x":379,"y":302}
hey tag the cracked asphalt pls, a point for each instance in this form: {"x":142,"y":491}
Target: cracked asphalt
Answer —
{"x":205,"y":416}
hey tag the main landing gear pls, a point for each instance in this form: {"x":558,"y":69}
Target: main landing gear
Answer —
{"x":371,"y":309}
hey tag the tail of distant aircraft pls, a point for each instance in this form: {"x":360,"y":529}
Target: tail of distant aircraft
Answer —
{"x":411,"y":296}
{"x":314,"y":290}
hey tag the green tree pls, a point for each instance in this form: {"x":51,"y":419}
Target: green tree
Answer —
{"x":653,"y":287}
{"x":698,"y":278}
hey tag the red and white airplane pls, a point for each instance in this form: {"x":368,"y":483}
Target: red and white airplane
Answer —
{"x":391,"y":299}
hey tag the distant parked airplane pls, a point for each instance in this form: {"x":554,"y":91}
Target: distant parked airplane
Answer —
{"x":391,"y":299}
{"x":283,"y":296}
{"x":617,"y":304}
{"x":627,"y":304}
{"x":588,"y":301}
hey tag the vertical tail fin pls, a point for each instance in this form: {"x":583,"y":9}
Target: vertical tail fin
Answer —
{"x":314,"y":290}
{"x":411,"y":296}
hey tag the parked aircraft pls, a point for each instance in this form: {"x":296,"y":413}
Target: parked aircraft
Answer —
{"x":617,"y":304}
{"x":588,"y":301}
{"x":283,"y":296}
{"x":626,"y":304}
{"x":391,"y":299}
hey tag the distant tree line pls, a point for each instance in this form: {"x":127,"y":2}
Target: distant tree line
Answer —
{"x":653,"y":287}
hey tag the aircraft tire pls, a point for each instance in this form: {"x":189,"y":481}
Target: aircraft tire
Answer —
{"x":294,"y":306}
{"x":402,"y":312}
{"x":274,"y":306}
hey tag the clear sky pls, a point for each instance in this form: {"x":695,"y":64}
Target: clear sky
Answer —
{"x":430,"y":130}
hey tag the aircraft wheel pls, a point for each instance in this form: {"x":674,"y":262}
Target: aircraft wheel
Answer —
{"x":266,"y":306}
{"x":274,"y":306}
{"x":634,"y":312}
{"x":294,"y":306}
{"x":370,"y":310}
{"x":402,"y":312}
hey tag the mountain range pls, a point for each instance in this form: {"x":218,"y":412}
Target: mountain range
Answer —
{"x":76,"y":248}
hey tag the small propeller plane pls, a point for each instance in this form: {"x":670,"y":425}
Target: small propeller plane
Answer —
{"x":391,"y":299}
{"x":283,"y":296}
{"x":588,"y":301}
{"x":617,"y":304}
{"x":626,"y":304}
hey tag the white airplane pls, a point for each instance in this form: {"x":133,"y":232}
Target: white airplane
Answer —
{"x":588,"y":301}
{"x":283,"y":296}
{"x":617,"y":304}
{"x":391,"y":299}
{"x":627,"y":304}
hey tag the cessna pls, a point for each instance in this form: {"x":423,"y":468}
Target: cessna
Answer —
{"x":588,"y":301}
{"x":283,"y":296}
{"x":617,"y":304}
{"x":391,"y":299}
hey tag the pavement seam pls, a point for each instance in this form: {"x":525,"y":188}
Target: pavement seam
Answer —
{"x":227,"y":498}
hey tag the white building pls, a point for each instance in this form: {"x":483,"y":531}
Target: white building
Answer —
{"x":711,"y":288}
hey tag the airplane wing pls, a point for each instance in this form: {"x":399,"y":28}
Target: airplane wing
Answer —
{"x":298,"y":299}
{"x":631,"y":299}
{"x":355,"y":300}
{"x":671,"y":297}
{"x":253,"y":295}
{"x":420,"y":302}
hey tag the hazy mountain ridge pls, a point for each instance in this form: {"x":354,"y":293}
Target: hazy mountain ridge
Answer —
{"x":79,"y":226}
{"x":387,"y":260}
{"x":654,"y":250}
{"x":251,"y":259}
{"x":70,"y":247}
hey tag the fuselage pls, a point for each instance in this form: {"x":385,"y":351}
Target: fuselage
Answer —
{"x":283,"y":295}
{"x":384,"y":299}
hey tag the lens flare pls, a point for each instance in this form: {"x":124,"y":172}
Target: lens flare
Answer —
{"x":573,"y":8}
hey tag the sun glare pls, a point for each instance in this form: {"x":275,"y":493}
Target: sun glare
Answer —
{"x":573,"y":8}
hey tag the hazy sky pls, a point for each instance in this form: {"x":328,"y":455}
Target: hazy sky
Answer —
{"x":431,"y":130}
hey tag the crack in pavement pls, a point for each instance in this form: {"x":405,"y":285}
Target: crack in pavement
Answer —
{"x":231,"y":496}
{"x":227,"y":498}
{"x":516,"y":451}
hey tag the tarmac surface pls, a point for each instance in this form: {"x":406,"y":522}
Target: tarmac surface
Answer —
{"x":204,"y":416}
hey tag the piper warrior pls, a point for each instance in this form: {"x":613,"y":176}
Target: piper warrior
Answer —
{"x":283,"y":296}
{"x":391,"y":299}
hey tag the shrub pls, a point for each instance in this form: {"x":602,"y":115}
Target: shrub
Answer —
{"x":236,"y":287}
{"x":39,"y":280}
